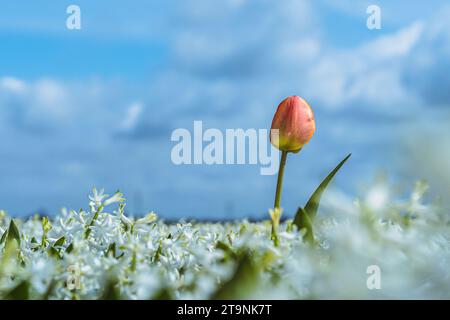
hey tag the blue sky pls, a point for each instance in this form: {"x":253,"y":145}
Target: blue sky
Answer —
{"x":96,"y":106}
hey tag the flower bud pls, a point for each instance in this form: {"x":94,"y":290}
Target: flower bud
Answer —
{"x":293,"y":124}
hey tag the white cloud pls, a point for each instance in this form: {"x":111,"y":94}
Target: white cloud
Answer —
{"x":49,"y":100}
{"x":49,"y":103}
{"x":426,"y":68}
{"x":305,"y":50}
{"x":133,"y":113}
{"x":11,"y":84}
{"x":369,"y":74}
{"x":393,"y":45}
{"x":49,"y":92}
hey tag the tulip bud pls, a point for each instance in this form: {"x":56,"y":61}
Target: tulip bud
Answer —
{"x":293,"y":124}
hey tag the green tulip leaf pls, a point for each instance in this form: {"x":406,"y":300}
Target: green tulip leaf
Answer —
{"x":313,"y":203}
{"x":305,"y":223}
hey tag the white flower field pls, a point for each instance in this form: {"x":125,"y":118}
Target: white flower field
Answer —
{"x":102,"y":254}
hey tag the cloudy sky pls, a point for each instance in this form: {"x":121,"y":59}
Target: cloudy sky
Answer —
{"x":97,"y":106}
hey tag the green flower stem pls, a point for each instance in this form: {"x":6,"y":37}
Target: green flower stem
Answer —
{"x":274,"y":236}
{"x":276,"y":206}
{"x":88,"y":230}
{"x":280,"y":179}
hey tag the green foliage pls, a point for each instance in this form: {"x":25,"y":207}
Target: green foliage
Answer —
{"x":111,"y":291}
{"x":243,"y":281}
{"x":164,"y":294}
{"x":59,"y":242}
{"x":51,"y":287}
{"x":20,"y":292}
{"x":306,"y":224}
{"x":3,"y":237}
{"x":112,"y":250}
{"x":69,"y":248}
{"x":11,"y":234}
{"x":56,"y":249}
{"x":228,"y":251}
{"x":304,"y":217}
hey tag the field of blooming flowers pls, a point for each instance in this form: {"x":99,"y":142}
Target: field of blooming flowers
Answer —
{"x":102,"y":254}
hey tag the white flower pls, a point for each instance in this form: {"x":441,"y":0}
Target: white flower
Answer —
{"x":97,"y":198}
{"x":116,"y":198}
{"x":149,"y":218}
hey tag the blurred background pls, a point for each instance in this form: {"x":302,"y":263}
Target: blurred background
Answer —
{"x":97,"y":106}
